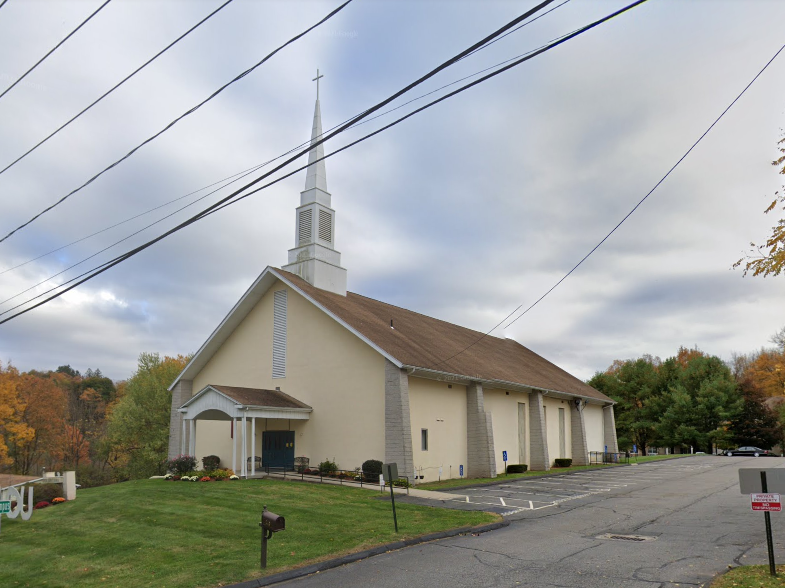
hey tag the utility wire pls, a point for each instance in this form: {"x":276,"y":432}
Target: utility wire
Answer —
{"x":247,"y":173}
{"x":628,"y":215}
{"x":3,"y":3}
{"x":259,"y":166}
{"x":53,"y":49}
{"x":226,"y":201}
{"x":178,"y":119}
{"x":100,"y":269}
{"x":520,"y":27}
{"x":123,"y":81}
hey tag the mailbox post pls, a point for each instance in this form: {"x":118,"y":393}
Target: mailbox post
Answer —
{"x":270,"y":523}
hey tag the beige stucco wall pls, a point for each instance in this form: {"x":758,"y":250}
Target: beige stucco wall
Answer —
{"x":327,"y":367}
{"x":552,"y":406}
{"x":441,"y":410}
{"x":593,"y":417}
{"x":504,"y":409}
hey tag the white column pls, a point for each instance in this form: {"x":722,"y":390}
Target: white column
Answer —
{"x":192,"y":439}
{"x":234,"y":446}
{"x":245,"y":450}
{"x":253,"y":446}
{"x":182,"y":438}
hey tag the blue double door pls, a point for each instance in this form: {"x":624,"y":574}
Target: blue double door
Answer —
{"x":278,"y":449}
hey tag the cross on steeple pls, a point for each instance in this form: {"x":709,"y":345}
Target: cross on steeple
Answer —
{"x":316,"y":79}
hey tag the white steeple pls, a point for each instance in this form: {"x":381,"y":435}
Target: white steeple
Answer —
{"x":314,"y":257}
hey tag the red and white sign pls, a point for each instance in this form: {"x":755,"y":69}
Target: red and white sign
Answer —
{"x":766,"y":502}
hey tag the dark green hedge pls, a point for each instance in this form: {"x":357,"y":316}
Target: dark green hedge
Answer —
{"x":517,"y":468}
{"x":562,"y":462}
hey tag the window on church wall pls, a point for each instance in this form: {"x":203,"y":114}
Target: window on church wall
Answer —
{"x":325,"y":226}
{"x":304,"y":226}
{"x":279,"y":334}
{"x":424,"y":439}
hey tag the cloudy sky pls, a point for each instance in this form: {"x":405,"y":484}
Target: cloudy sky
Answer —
{"x":463,"y":212}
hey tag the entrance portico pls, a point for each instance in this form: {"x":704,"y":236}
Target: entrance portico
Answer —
{"x":241,"y":405}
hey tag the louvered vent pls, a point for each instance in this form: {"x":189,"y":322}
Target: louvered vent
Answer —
{"x":325,"y":226}
{"x":279,"y":333}
{"x":306,"y":217}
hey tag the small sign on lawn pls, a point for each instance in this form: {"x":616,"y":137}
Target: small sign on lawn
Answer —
{"x":766,"y":502}
{"x":5,"y":506}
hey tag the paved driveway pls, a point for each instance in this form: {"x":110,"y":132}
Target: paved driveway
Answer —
{"x":689,"y":511}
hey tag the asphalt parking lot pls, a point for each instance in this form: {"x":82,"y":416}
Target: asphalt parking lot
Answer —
{"x":533,"y":494}
{"x":663,"y":524}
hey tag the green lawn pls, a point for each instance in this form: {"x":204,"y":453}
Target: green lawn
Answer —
{"x":750,"y":577}
{"x":658,"y":457}
{"x":191,"y":534}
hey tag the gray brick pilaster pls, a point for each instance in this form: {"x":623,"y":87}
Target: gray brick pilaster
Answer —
{"x":481,"y":462}
{"x":538,"y":448}
{"x":580,"y":451}
{"x":182,"y":391}
{"x":397,"y":420}
{"x":609,"y":425}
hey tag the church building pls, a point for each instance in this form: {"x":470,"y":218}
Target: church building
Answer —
{"x":301,"y":367}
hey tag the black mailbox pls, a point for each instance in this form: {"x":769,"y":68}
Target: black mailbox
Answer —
{"x":272,"y":522}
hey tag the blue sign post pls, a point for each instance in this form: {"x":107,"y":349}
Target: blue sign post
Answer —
{"x":504,"y":459}
{"x":460,"y":470}
{"x":635,"y":449}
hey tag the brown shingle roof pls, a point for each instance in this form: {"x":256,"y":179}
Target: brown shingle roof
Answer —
{"x":260,"y":397}
{"x":422,"y":341}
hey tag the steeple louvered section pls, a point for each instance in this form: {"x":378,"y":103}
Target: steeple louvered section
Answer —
{"x":314,"y":257}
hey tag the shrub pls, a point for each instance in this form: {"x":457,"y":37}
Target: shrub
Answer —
{"x":401,"y":483}
{"x":562,"y":462}
{"x":175,"y":478}
{"x":42,"y":504}
{"x":205,"y":479}
{"x":211,"y":462}
{"x":234,"y":477}
{"x":327,"y":467}
{"x":47,"y":492}
{"x":517,"y":468}
{"x":372,"y":469}
{"x":220,"y":475}
{"x":181,"y":464}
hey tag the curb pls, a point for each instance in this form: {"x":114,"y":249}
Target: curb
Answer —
{"x":360,"y":555}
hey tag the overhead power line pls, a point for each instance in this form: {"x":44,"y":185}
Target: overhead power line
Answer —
{"x":619,"y":224}
{"x":178,"y":119}
{"x":231,"y":198}
{"x":3,"y":3}
{"x":53,"y":49}
{"x":241,"y":174}
{"x":116,"y":86}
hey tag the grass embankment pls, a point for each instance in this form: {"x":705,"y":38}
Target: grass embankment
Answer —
{"x":467,"y":482}
{"x":750,"y":577}
{"x":190,"y":534}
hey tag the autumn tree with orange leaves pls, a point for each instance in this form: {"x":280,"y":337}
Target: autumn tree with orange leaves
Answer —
{"x":769,"y":258}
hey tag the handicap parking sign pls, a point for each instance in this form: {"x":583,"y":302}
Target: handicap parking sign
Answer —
{"x":460,"y":470}
{"x":504,"y":456}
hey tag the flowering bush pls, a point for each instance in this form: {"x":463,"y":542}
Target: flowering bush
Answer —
{"x":58,"y":500}
{"x":234,"y":477}
{"x":42,"y":504}
{"x":194,"y":478}
{"x":185,"y":479}
{"x":174,"y":478}
{"x":181,"y":464}
{"x":169,"y":477}
{"x":205,"y":479}
{"x":219,"y":475}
